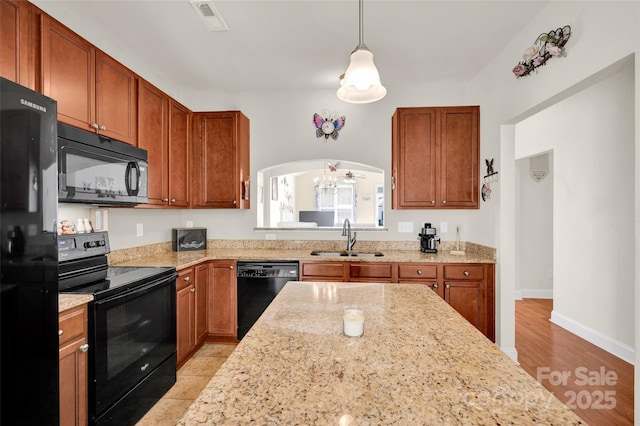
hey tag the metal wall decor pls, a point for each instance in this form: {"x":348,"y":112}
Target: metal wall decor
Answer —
{"x":546,"y":46}
{"x":489,"y":178}
{"x":328,"y":124}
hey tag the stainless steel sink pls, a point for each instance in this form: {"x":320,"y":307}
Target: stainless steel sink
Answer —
{"x":345,"y":253}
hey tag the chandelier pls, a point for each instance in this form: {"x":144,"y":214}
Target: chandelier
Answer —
{"x":325,"y":183}
{"x":361,"y":82}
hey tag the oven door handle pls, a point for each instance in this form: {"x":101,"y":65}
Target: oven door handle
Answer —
{"x":138,"y":291}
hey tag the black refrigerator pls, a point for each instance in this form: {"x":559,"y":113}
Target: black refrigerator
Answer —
{"x":29,"y":269}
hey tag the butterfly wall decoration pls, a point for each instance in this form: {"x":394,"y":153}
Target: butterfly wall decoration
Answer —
{"x":328,"y":124}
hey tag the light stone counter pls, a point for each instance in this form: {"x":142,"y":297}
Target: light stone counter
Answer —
{"x":418,"y":363}
{"x":185,"y":259}
{"x":68,"y":301}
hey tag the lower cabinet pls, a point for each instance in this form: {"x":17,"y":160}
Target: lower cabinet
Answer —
{"x":73,"y":366}
{"x":185,"y":315}
{"x":222,"y":319}
{"x":468,"y":287}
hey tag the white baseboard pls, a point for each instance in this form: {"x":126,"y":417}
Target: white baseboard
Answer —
{"x":533,"y":293}
{"x":610,"y":345}
{"x":511,"y":353}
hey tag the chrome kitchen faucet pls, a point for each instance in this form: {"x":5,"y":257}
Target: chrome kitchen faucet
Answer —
{"x":346,"y":232}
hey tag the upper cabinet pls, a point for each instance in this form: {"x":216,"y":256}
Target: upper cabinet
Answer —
{"x":179,"y":137}
{"x":94,"y":92}
{"x":153,"y":135}
{"x":16,"y":45}
{"x":435,"y":158}
{"x":220,"y":166}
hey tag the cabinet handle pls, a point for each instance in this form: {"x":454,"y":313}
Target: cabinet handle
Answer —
{"x":193,"y":290}
{"x":444,"y":202}
{"x":231,"y":267}
{"x":95,"y":126}
{"x":164,"y":200}
{"x":103,"y":127}
{"x":419,"y":272}
{"x":235,"y":202}
{"x":60,"y":333}
{"x":173,"y":200}
{"x":433,"y":201}
{"x":393,"y":182}
{"x":447,"y":286}
{"x":187,"y":278}
{"x":466,"y":273}
{"x":84,"y":348}
{"x":434,"y":286}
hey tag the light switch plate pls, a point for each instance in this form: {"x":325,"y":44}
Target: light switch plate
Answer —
{"x":270,"y":236}
{"x":444,"y":227}
{"x":189,"y":224}
{"x":139,"y":230}
{"x":405,"y":226}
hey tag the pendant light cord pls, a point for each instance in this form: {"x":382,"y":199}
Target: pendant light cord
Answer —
{"x":361,"y":35}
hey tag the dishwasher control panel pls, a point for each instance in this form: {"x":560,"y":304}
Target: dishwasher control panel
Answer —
{"x":267,"y":269}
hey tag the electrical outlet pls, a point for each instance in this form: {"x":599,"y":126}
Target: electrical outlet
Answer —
{"x":405,"y":226}
{"x":444,"y":227}
{"x":139,"y":230}
{"x":189,"y":224}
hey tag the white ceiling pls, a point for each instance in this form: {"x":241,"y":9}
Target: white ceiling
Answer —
{"x":303,"y":44}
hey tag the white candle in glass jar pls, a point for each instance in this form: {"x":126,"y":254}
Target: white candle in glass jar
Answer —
{"x":353,"y":321}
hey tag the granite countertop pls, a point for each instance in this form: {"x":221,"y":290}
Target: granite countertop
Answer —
{"x":418,"y":362}
{"x":68,"y":301}
{"x":181,"y":260}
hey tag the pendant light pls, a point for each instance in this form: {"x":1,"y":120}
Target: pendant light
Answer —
{"x":361,"y":82}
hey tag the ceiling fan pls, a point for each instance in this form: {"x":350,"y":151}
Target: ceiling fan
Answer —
{"x":351,"y":177}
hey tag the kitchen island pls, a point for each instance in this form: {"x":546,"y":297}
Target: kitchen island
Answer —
{"x":418,"y":362}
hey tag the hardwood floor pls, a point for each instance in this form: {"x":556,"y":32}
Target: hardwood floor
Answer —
{"x":595,"y":384}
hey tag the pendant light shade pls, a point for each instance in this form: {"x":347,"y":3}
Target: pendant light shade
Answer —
{"x":361,"y":83}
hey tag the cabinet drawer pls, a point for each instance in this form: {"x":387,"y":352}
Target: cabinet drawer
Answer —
{"x":72,"y":324}
{"x":322,"y":269}
{"x":463,"y":272}
{"x":185,"y":278}
{"x":371,"y":270}
{"x":417,"y":271}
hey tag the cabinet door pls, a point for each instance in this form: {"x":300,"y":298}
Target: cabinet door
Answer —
{"x":201,"y":284}
{"x":115,"y":99}
{"x":223,"y":155}
{"x":460,"y":155}
{"x":179,"y":150}
{"x":222,"y":317}
{"x":413,"y":158}
{"x":153,"y":126}
{"x":467,"y":297}
{"x":185,"y":318}
{"x":73,"y":367}
{"x":68,"y":73}
{"x":73,"y":383}
{"x":15,"y":42}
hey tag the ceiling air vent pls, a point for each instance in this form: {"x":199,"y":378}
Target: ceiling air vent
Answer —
{"x":209,"y":15}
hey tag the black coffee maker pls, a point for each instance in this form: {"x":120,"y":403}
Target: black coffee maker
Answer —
{"x":428,"y":239}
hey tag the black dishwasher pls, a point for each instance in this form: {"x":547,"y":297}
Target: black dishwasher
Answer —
{"x":258,"y":284}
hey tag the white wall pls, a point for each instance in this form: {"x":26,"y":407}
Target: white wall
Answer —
{"x":534,"y":232}
{"x":592,"y":137}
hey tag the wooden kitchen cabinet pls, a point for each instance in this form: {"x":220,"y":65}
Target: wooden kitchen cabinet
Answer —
{"x":17,"y":44}
{"x":324,"y":271}
{"x":73,"y":366}
{"x":469,"y":289}
{"x":222,"y":295}
{"x":179,"y":151}
{"x":94,"y":91}
{"x":420,"y":273}
{"x":221,"y":160}
{"x":435,"y":158}
{"x":185,"y":315}
{"x":372,"y":272}
{"x":201,"y":311}
{"x":153,"y":135}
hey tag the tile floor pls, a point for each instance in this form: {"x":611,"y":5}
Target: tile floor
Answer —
{"x":192,"y":378}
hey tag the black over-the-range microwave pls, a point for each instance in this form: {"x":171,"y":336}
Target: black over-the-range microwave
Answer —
{"x":97,"y":170}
